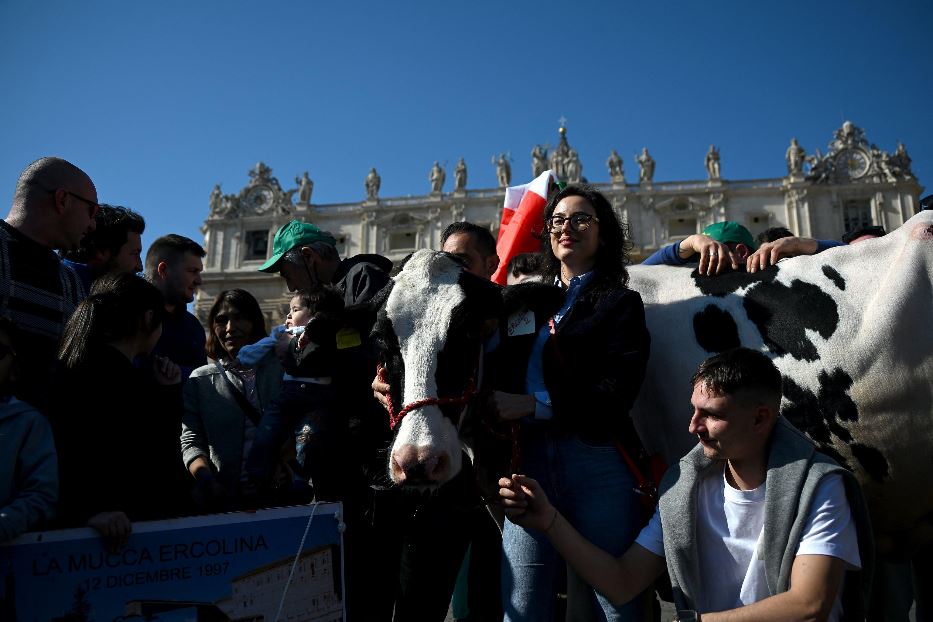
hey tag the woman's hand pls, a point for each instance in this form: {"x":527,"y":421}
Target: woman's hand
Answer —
{"x":165,"y":371}
{"x":511,"y":406}
{"x":714,"y":256}
{"x":114,"y":528}
{"x":525,"y":503}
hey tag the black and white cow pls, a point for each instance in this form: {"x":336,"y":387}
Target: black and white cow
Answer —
{"x":430,"y":334}
{"x":849,"y":329}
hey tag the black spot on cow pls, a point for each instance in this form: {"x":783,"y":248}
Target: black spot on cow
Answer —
{"x":818,"y":415}
{"x":834,"y":397}
{"x":782,"y":315}
{"x":835,"y":277}
{"x":731,"y":281}
{"x":715,"y":329}
{"x":871,"y":460}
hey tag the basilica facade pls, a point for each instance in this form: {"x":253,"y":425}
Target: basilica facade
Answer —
{"x":822,"y":195}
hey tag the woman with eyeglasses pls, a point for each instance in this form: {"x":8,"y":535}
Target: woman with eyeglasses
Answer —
{"x":585,"y":365}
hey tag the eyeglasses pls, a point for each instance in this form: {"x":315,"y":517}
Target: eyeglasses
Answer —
{"x":93,"y":207}
{"x":578,"y":222}
{"x":6,"y":350}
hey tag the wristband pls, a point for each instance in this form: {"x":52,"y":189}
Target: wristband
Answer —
{"x":553,"y":520}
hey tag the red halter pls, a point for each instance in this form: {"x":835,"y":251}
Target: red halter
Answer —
{"x":396,"y":417}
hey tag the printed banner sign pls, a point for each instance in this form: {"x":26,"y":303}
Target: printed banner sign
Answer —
{"x":220,"y":567}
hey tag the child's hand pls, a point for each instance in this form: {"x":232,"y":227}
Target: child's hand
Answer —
{"x":114,"y":529}
{"x":165,"y":371}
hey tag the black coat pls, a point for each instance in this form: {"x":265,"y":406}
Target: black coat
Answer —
{"x":117,"y":439}
{"x":593,"y":366}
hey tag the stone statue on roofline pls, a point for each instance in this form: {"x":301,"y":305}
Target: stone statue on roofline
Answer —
{"x":711,"y":162}
{"x":615,"y":166}
{"x":538,"y":160}
{"x":460,"y":176}
{"x":216,"y":200}
{"x":437,"y":177}
{"x":573,"y":168}
{"x":645,"y":166}
{"x":503,"y":171}
{"x":795,"y":157}
{"x":305,"y":188}
{"x":373,"y":181}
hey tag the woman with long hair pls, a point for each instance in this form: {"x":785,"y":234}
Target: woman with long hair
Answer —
{"x":224,"y":401}
{"x":576,"y":380}
{"x":118,"y":449}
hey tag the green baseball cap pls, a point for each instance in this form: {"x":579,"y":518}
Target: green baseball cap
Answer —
{"x":295,"y":233}
{"x":730,"y":231}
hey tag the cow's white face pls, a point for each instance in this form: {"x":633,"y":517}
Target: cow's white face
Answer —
{"x":430,"y":338}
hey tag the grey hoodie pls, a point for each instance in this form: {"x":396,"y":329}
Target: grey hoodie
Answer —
{"x":28,"y":469}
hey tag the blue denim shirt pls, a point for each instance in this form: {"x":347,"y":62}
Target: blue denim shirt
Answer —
{"x":534,"y":380}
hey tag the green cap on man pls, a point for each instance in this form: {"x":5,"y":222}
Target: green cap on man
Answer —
{"x":730,"y":231}
{"x":295,"y":233}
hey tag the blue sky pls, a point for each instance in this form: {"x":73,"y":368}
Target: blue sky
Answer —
{"x":158,"y":101}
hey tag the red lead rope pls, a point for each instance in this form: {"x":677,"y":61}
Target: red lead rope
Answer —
{"x":396,"y":417}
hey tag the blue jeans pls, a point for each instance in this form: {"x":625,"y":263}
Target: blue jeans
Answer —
{"x":592,"y":487}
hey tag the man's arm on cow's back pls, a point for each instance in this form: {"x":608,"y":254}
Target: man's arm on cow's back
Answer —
{"x":814,"y":582}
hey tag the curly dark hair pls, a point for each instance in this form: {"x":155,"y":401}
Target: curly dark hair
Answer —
{"x":614,"y":245}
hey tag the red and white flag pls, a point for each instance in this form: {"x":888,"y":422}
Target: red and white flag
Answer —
{"x":522,"y":221}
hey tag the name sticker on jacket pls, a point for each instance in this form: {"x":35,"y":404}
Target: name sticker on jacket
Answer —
{"x":348,"y":338}
{"x":521,"y":323}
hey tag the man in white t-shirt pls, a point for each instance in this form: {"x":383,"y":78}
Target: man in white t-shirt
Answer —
{"x":752,"y":524}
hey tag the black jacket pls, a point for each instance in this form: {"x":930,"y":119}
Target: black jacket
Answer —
{"x":594,"y":365}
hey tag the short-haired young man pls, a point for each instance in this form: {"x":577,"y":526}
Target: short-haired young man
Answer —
{"x":474,"y":245}
{"x":752,"y":524}
{"x":174,"y":266}
{"x":115,"y":245}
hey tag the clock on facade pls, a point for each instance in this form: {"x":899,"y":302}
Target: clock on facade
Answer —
{"x":260,"y":199}
{"x":852,"y":163}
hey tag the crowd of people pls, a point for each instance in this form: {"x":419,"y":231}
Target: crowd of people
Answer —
{"x":118,"y":406}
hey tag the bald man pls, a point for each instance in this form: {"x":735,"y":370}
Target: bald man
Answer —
{"x":53,"y":208}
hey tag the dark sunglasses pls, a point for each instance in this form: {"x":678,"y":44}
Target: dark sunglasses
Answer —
{"x":93,"y":208}
{"x":578,"y":222}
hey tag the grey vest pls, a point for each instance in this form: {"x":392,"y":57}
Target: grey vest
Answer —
{"x":794,"y":470}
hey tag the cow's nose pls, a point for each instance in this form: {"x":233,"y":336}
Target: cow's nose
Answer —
{"x":414,"y":466}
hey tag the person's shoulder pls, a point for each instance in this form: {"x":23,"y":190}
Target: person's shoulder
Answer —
{"x":210,"y":369}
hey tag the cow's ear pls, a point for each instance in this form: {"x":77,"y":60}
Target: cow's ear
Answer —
{"x":362,"y":316}
{"x":483,"y":294}
{"x":539,"y":297}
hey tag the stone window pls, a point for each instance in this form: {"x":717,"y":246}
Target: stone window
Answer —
{"x":681,"y":227}
{"x":756,"y":223}
{"x":856,"y":214}
{"x":401,"y":241}
{"x":256,"y":244}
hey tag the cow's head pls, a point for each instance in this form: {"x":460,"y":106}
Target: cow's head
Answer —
{"x":430,"y":335}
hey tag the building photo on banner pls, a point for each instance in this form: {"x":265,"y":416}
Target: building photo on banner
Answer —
{"x":277,"y":564}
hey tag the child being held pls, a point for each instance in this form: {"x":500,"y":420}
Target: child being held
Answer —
{"x":307,"y":402}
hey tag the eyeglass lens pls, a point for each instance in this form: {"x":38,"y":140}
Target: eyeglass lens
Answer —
{"x":578,"y":222}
